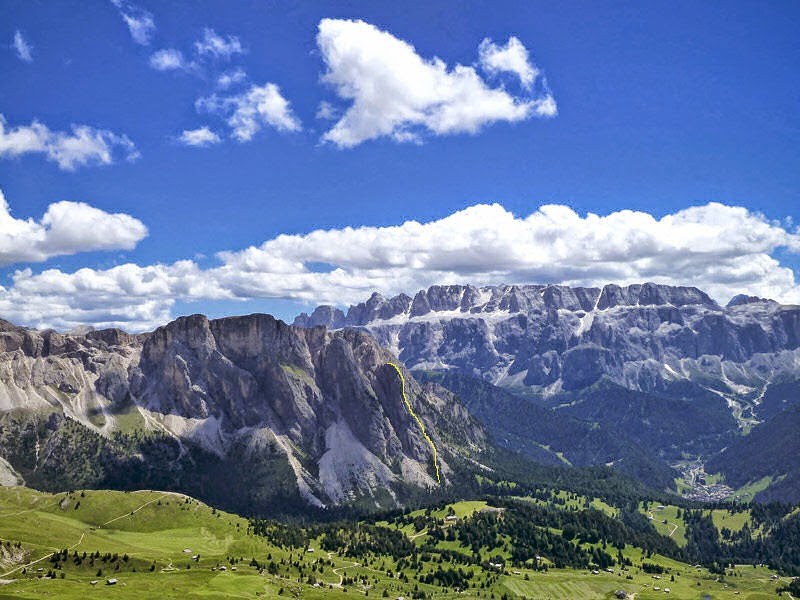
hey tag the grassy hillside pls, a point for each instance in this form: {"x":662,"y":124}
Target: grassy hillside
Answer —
{"x":141,"y":538}
{"x":167,"y":545}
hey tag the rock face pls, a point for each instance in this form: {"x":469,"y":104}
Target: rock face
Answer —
{"x":553,"y":338}
{"x":249,"y":412}
{"x":84,"y":377}
{"x":570,"y":348}
{"x":236,"y":392}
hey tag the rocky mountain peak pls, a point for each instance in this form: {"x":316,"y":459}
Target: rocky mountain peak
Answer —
{"x":248,"y":390}
{"x":743,"y":299}
{"x":468,"y":299}
{"x":652,"y":294}
{"x":554,"y":337}
{"x":323,"y":315}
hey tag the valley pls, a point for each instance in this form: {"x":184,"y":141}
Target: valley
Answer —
{"x":695,"y":484}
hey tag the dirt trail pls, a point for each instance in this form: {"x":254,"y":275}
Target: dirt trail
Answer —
{"x":341,"y":576}
{"x":83,"y":534}
{"x":674,"y":525}
{"x":130,"y":514}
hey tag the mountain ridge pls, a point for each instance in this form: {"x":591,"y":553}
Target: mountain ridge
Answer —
{"x":677,"y":355}
{"x":646,"y":379}
{"x":324,"y":405}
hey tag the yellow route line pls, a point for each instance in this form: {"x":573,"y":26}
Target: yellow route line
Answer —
{"x":416,"y":418}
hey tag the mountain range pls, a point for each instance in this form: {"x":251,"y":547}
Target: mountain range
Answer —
{"x":245,"y":410}
{"x":648,"y":377}
{"x":407,"y":398}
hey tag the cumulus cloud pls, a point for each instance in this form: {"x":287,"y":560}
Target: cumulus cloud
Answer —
{"x":139,"y":21}
{"x":394,"y":92}
{"x":327,"y":111}
{"x":230,"y":78}
{"x":170,"y":59}
{"x":22,"y":47}
{"x":211,"y":46}
{"x":53,"y":299}
{"x":84,"y":146}
{"x":199,"y":138}
{"x":65,"y":228}
{"x":249,"y":112}
{"x":511,"y":58}
{"x":722,"y":249}
{"x":217,"y":46}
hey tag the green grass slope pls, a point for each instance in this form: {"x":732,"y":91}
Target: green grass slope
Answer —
{"x":167,"y":545}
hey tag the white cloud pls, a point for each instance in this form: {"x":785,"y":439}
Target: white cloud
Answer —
{"x":64,"y":301}
{"x":200,"y":137}
{"x":212,"y":46}
{"x":327,"y":111}
{"x":170,"y":59}
{"x":139,"y":21}
{"x":396,"y":93}
{"x":217,"y":46}
{"x":23,"y":47}
{"x":724,"y":250}
{"x":84,"y":146}
{"x":230,"y":78}
{"x":141,"y":27}
{"x":129,"y":296}
{"x":248,"y":112}
{"x":65,"y":228}
{"x":511,"y":58}
{"x":545,"y":106}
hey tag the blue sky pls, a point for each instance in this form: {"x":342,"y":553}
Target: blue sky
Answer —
{"x":661,"y":107}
